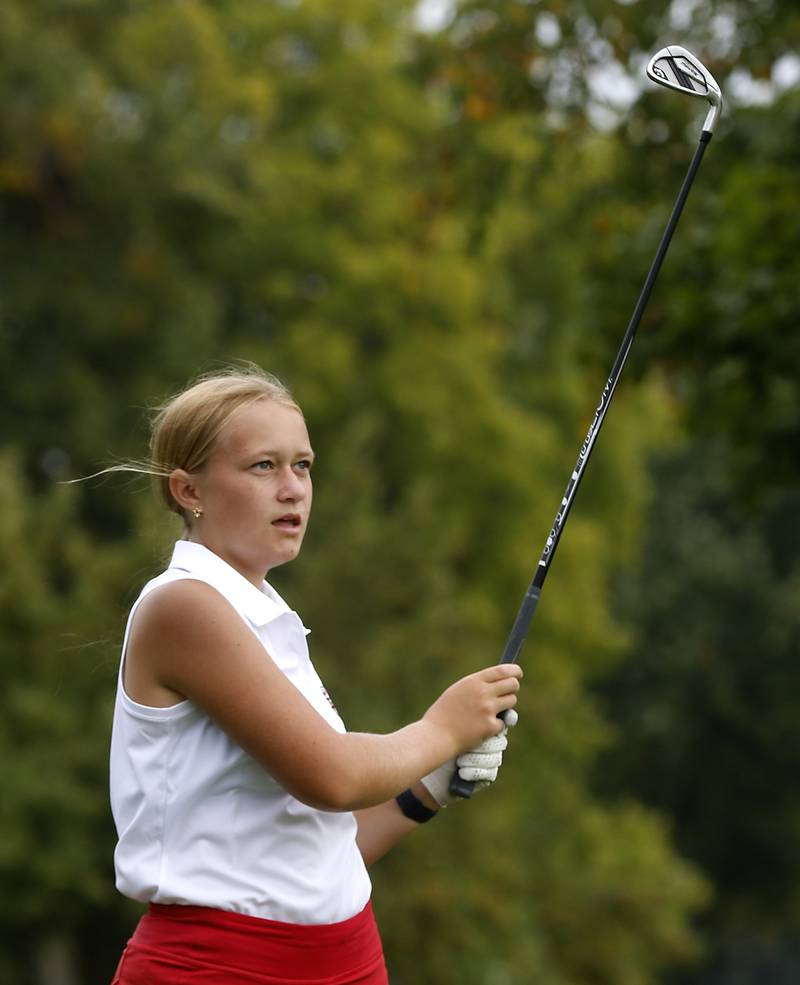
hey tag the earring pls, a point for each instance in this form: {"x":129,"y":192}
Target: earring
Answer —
{"x":197,"y":512}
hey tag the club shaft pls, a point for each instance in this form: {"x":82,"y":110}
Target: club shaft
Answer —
{"x":510,"y":654}
{"x":519,"y":630}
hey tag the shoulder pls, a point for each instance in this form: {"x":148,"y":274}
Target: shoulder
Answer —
{"x":176,"y":626}
{"x":188,"y":641}
{"x":184,"y":621}
{"x":181,"y":600}
{"x":182,"y":596}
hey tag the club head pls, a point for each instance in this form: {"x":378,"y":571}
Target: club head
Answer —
{"x":677,"y":68}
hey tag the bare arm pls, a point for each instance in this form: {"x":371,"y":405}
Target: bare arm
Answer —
{"x":382,"y":826}
{"x":187,"y":639}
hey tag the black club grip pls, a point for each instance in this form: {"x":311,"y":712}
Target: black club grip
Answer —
{"x":465,"y":788}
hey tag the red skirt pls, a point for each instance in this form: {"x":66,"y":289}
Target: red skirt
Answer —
{"x":197,"y":945}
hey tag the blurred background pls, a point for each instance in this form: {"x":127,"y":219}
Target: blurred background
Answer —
{"x":433,"y":221}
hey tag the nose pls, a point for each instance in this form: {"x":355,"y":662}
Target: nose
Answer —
{"x":292,"y":488}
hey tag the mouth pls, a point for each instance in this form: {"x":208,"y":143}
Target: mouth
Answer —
{"x":289,"y":522}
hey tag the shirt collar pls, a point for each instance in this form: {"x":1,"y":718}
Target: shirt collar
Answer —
{"x":259,"y":607}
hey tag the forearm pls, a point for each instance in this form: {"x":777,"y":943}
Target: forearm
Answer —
{"x":367,"y":770}
{"x":382,"y":826}
{"x":380,"y":766}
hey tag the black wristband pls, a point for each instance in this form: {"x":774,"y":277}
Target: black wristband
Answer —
{"x":413,"y":808}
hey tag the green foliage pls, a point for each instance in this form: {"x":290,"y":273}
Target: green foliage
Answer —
{"x":715,"y":603}
{"x":704,"y":703}
{"x":61,"y":601}
{"x":440,"y":264}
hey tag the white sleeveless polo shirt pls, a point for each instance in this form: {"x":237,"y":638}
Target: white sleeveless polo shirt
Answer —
{"x":199,"y":821}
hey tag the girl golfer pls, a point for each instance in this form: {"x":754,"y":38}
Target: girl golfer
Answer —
{"x":246,"y":812}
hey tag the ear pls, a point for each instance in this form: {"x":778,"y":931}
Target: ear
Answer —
{"x":184,"y":490}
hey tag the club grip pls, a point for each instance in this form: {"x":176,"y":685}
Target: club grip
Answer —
{"x":465,"y":788}
{"x":461,"y":788}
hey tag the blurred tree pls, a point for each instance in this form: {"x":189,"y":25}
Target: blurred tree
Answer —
{"x":714,"y":601}
{"x":575,"y":216}
{"x":61,"y":602}
{"x":405,"y":229}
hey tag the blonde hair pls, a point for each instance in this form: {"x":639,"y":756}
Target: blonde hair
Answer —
{"x":185,"y":428}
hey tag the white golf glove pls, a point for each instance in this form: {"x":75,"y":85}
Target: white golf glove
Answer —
{"x":480,"y":765}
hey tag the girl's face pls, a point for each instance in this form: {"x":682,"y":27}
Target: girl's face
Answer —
{"x":255,"y":489}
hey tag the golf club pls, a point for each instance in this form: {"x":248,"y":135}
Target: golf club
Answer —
{"x":675,"y":68}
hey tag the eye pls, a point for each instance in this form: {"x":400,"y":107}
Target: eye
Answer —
{"x":304,"y":465}
{"x":264,"y":466}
